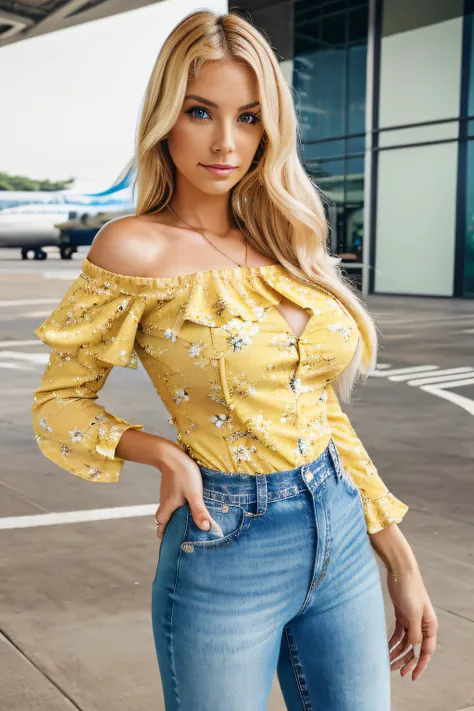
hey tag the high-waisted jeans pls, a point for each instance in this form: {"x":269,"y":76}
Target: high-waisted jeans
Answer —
{"x":292,"y":587}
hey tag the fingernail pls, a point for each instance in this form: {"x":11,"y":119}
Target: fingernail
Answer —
{"x":206,"y":525}
{"x":417,"y":649}
{"x":395,"y":645}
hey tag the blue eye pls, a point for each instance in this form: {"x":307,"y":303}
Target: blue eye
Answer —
{"x":254,"y":116}
{"x":192,"y":111}
{"x":196,"y":108}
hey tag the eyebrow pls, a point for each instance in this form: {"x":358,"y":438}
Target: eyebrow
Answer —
{"x":211,"y":103}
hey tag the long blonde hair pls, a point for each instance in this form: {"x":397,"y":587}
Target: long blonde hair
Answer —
{"x":276,"y":204}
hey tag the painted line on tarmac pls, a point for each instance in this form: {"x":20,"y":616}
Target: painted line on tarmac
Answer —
{"x":6,"y":344}
{"x":436,"y":373}
{"x":67,"y":275}
{"x":414,"y":369}
{"x":54,"y":519}
{"x":432,"y":379}
{"x":39,"y":358}
{"x":461,"y":375}
{"x":434,"y":319}
{"x":27,"y":302}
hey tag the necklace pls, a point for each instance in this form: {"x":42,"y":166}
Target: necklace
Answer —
{"x":208,"y":240}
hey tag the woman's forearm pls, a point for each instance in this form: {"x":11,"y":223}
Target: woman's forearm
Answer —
{"x":393,"y":548}
{"x":142,"y":447}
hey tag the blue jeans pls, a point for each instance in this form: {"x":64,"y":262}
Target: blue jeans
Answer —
{"x":292,"y":587}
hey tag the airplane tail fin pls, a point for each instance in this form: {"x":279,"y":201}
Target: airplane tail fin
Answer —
{"x":122,"y":182}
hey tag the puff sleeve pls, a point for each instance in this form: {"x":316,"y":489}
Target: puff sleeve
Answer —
{"x":91,"y":330}
{"x":380,"y":506}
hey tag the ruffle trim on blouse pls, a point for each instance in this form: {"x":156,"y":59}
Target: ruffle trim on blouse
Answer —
{"x":383,"y":510}
{"x":99,"y":316}
{"x":102,"y":309}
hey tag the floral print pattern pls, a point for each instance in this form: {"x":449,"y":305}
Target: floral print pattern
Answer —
{"x":244,"y":393}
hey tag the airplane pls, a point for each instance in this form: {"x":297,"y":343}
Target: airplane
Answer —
{"x":29,"y":219}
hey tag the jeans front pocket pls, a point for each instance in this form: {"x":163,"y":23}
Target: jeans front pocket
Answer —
{"x":232,"y":519}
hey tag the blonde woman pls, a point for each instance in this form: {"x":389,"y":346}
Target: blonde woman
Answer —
{"x":270,"y":507}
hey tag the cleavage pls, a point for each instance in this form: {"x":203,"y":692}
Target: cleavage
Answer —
{"x":295,"y":317}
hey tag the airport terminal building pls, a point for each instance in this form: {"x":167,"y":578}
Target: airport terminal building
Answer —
{"x":385,"y":95}
{"x":384,"y":91}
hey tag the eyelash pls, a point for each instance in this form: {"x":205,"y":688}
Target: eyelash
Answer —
{"x":247,"y":113}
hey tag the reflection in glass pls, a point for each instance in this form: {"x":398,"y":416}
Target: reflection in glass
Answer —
{"x":320,"y":150}
{"x":329,"y":79}
{"x":318,"y":79}
{"x":353,"y":211}
{"x":469,"y":247}
{"x":469,"y":20}
{"x":357,"y":60}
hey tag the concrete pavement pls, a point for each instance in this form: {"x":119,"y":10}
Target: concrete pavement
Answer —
{"x":74,"y":597}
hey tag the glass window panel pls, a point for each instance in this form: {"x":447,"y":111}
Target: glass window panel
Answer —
{"x":469,"y":19}
{"x":415,"y":221}
{"x":333,"y":29}
{"x":327,"y":149}
{"x":358,"y":23}
{"x":470,"y":128}
{"x":469,"y":250}
{"x":354,"y":210}
{"x":357,"y":67}
{"x":319,"y":81}
{"x":355,"y":144}
{"x":329,"y":176}
{"x":329,"y":84}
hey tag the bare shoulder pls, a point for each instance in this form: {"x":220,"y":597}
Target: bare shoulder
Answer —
{"x":126,"y":245}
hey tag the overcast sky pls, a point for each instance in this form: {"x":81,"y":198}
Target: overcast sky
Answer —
{"x":70,"y":99}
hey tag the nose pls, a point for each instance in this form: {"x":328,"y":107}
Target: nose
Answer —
{"x":224,"y":140}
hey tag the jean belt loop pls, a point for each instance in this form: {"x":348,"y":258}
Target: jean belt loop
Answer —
{"x":335,"y":458}
{"x":262,"y":493}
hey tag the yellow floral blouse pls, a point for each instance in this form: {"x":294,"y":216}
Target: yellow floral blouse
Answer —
{"x":245,"y":394}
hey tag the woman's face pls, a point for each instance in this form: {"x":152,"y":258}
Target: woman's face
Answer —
{"x":221,"y":126}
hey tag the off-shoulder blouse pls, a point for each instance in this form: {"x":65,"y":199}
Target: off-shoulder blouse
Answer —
{"x":244,"y":393}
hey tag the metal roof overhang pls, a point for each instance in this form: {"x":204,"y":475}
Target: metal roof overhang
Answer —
{"x":22,"y":19}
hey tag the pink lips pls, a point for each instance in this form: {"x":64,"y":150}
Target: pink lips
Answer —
{"x":219,"y":170}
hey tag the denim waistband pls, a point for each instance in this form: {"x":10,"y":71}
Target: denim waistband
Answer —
{"x":262,"y":488}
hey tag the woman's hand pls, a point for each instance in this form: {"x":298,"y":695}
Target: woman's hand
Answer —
{"x":415,"y":623}
{"x":181,"y":481}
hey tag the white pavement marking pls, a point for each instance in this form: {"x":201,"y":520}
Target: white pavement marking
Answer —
{"x":8,"y":344}
{"x":448,"y":371}
{"x":442,"y":378}
{"x":14,"y":366}
{"x":71,"y":274}
{"x":457,"y":384}
{"x":437,"y":382}
{"x":456,"y":399}
{"x":27,"y":302}
{"x":411,"y":369}
{"x":54,"y":519}
{"x":35,"y":314}
{"x":435,"y":319}
{"x":29,"y":357}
